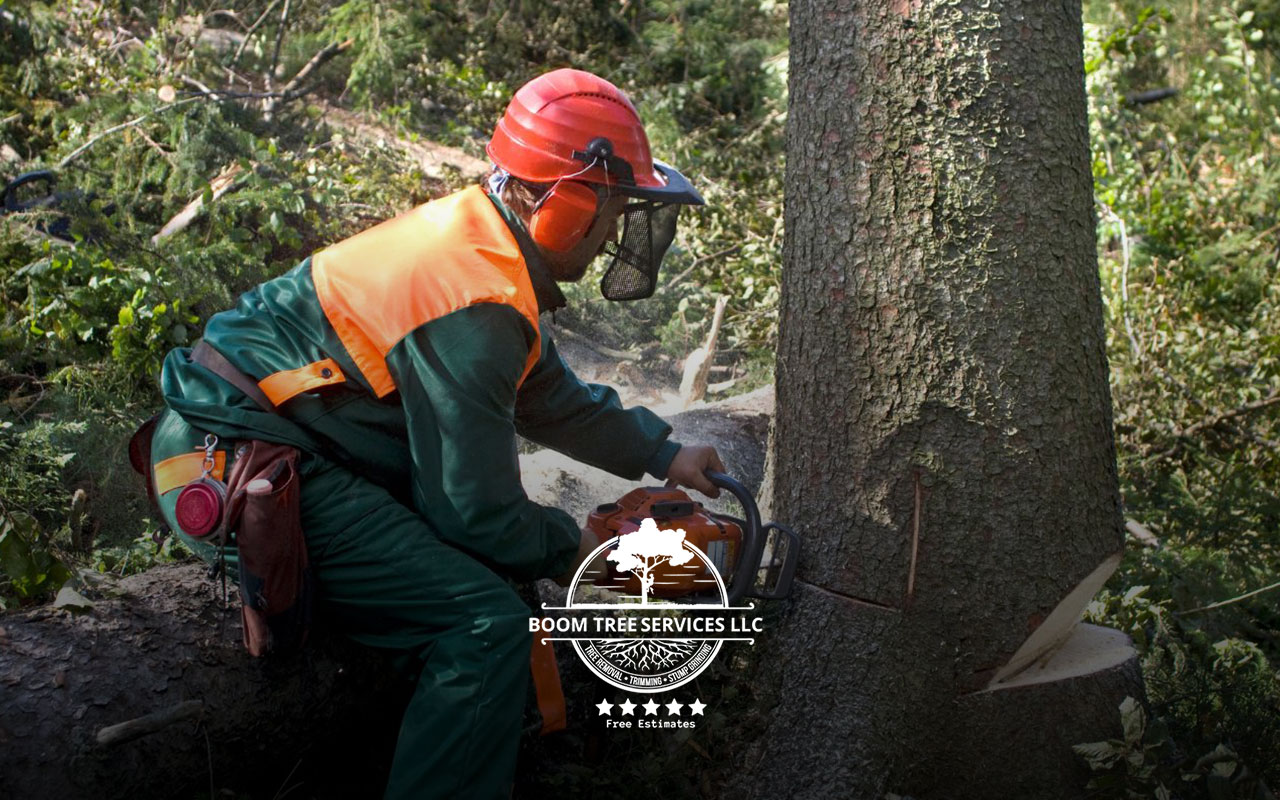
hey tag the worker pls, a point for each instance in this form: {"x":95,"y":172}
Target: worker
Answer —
{"x":402,"y":363}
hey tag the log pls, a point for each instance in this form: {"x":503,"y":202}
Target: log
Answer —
{"x":152,"y":695}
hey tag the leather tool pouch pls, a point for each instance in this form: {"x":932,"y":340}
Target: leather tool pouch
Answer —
{"x":263,"y":509}
{"x":140,"y":459}
{"x":276,"y":584}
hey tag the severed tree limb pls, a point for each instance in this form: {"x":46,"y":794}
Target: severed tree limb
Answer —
{"x":291,"y":89}
{"x":607,"y":352}
{"x":74,"y":154}
{"x":151,"y":723}
{"x":1218,"y":419}
{"x":221,"y":185}
{"x":1232,"y":600}
{"x":249,"y":33}
{"x":693,"y":387}
{"x":275,"y":55}
{"x":697,"y":262}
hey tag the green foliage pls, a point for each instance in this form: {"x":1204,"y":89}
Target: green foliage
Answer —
{"x":29,"y":567}
{"x":1216,"y":703}
{"x":1188,"y":210}
{"x":149,"y":549}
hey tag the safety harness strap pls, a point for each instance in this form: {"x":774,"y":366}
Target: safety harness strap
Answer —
{"x":547,"y":686}
{"x":217,"y":363}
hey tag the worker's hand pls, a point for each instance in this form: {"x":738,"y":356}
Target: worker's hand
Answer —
{"x":597,"y":568}
{"x":688,"y":466}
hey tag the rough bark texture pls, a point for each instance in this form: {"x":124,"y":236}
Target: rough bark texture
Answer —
{"x":943,"y":436}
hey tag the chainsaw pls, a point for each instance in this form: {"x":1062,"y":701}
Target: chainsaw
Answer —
{"x":736,"y":548}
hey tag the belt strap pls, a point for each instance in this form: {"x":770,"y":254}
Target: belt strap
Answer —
{"x":204,"y":355}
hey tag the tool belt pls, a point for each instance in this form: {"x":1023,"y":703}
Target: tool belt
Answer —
{"x":258,"y":510}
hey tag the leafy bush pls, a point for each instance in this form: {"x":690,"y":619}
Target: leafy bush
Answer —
{"x":1188,"y":209}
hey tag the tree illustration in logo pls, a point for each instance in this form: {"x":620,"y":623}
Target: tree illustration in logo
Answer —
{"x":643,"y":551}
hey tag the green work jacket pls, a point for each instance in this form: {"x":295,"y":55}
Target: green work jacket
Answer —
{"x":444,"y":441}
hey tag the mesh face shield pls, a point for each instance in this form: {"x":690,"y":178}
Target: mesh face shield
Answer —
{"x":648,"y":228}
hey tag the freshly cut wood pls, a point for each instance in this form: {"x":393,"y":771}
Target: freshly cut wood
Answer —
{"x":693,"y":387}
{"x":435,"y":160}
{"x":219,"y":186}
{"x":1038,"y":715}
{"x":1059,"y":625}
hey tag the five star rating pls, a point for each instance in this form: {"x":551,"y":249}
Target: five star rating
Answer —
{"x":628,"y":709}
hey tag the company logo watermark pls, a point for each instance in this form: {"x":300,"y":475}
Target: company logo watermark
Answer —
{"x":648,"y":612}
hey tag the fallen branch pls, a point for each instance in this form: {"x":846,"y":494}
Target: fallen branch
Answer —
{"x":122,"y":126}
{"x":697,"y":262}
{"x":607,"y":352}
{"x":249,"y":33}
{"x":693,"y":387}
{"x":291,"y":89}
{"x":1222,"y":603}
{"x":221,"y":185}
{"x":275,"y":55}
{"x":151,"y":723}
{"x":1226,"y":416}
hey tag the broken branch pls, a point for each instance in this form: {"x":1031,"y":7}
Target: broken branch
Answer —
{"x":151,"y":723}
{"x":291,"y":89}
{"x":1209,"y":422}
{"x":122,"y":126}
{"x":225,"y":182}
{"x":1232,"y":600}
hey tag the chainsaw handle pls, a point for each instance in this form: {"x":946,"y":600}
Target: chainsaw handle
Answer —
{"x":753,"y":538}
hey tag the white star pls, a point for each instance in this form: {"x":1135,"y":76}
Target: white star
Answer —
{"x":606,"y":708}
{"x":650,"y":709}
{"x":673,"y":709}
{"x":628,"y":707}
{"x":696,"y":707}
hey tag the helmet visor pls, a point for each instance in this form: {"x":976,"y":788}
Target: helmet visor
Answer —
{"x":648,"y":228}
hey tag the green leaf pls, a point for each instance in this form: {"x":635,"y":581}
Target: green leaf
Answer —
{"x":1100,"y":755}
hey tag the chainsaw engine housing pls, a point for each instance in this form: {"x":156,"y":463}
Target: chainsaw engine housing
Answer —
{"x":717,"y":535}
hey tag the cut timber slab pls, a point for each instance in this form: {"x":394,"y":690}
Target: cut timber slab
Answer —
{"x":1088,"y":650}
{"x":1058,"y":626}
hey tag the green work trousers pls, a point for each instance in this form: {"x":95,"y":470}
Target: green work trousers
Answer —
{"x":385,"y":579}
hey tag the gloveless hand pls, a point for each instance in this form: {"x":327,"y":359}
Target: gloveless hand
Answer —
{"x":688,"y":467}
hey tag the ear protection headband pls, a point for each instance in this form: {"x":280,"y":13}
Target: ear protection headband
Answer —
{"x":565,"y":213}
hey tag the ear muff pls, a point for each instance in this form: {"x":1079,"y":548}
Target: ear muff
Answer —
{"x":563,"y":217}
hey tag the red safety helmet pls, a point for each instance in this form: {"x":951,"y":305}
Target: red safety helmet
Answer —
{"x":569,"y":127}
{"x":572,"y":123}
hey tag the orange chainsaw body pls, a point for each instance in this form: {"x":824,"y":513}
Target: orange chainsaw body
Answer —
{"x":716,"y":535}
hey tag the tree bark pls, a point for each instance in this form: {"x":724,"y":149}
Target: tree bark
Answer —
{"x":943,"y":434}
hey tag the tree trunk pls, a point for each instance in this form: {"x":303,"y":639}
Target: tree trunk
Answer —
{"x":943,"y":431}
